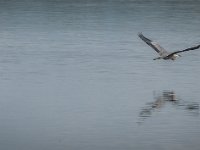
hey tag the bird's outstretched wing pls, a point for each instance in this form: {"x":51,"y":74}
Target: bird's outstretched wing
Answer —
{"x":188,"y":49}
{"x":154,"y":45}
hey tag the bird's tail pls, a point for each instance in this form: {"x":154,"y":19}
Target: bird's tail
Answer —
{"x":157,"y":58}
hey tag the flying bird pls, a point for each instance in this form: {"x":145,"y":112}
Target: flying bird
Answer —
{"x":162,"y":52}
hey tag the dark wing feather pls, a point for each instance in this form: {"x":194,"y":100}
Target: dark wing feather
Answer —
{"x":153,"y":45}
{"x":188,"y":49}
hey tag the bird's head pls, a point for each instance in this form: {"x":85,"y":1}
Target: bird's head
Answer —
{"x":175,"y":56}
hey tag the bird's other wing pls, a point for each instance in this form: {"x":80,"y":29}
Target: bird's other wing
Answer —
{"x":188,"y":49}
{"x":153,"y":45}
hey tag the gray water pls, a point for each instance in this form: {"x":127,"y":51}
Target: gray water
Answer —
{"x":75,"y":76}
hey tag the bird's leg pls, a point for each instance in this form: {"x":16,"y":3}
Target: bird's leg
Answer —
{"x":157,"y":58}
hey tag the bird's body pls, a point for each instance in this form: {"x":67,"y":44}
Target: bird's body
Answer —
{"x":162,"y":52}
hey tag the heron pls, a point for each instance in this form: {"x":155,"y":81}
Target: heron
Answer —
{"x":164,"y":54}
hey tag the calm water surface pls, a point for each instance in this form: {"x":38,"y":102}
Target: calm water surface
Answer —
{"x":74,"y":75}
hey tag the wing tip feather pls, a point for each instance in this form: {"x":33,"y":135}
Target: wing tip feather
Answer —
{"x":140,"y":34}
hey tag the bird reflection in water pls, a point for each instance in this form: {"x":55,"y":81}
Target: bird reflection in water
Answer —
{"x":167,"y":97}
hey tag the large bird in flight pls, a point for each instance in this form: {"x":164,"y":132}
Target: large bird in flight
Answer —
{"x":162,"y":52}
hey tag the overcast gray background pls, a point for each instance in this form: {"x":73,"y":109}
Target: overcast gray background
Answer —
{"x":75,"y":76}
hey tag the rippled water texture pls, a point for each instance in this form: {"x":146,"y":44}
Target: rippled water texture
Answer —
{"x":74,"y":75}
